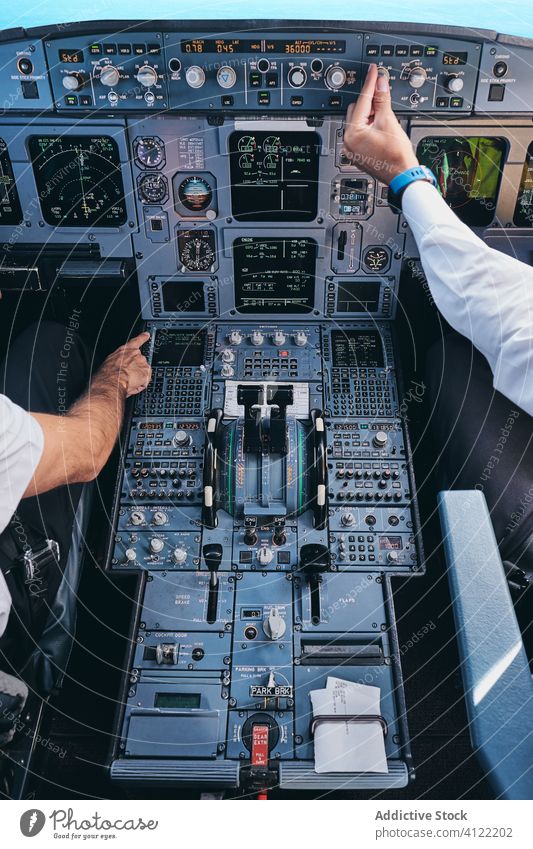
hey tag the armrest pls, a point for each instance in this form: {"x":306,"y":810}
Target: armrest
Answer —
{"x":496,"y":676}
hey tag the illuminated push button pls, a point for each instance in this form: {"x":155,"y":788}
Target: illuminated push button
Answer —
{"x":417,"y":78}
{"x":300,"y":339}
{"x":226,"y":77}
{"x":297,"y":76}
{"x":109,"y":76}
{"x":179,"y":555}
{"x":454,"y":84}
{"x":195,"y":76}
{"x":147,"y":76}
{"x":257,"y":338}
{"x":335,"y":77}
{"x":235,"y":337}
{"x":156,"y":545}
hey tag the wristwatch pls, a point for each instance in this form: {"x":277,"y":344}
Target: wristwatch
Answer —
{"x":399,"y":184}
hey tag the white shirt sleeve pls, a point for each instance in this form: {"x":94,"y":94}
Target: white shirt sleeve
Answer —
{"x":484,"y":294}
{"x":21,"y":446}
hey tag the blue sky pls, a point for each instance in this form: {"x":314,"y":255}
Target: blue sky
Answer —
{"x":509,"y":16}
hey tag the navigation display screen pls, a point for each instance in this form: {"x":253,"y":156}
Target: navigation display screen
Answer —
{"x":353,"y":296}
{"x":274,"y":275}
{"x":183,"y":296}
{"x":10,"y":209}
{"x":274,"y":176}
{"x":179,"y":347}
{"x":468,"y":172}
{"x":79,"y":180}
{"x":357,"y":349}
{"x":523,"y":214}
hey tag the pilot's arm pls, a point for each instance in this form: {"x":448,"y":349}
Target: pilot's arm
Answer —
{"x":78,"y":444}
{"x":484,"y":294}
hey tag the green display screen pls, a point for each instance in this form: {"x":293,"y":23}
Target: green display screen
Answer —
{"x":523,"y":214}
{"x":468,"y":171}
{"x":177,"y":700}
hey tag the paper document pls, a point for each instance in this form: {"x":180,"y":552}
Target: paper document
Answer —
{"x":348,"y":746}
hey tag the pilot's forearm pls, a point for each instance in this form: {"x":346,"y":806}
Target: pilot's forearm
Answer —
{"x":484,"y":294}
{"x":78,"y":445}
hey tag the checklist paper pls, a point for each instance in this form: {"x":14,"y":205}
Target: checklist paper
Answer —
{"x":348,"y":746}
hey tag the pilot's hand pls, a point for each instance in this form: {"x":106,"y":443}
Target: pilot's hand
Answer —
{"x":373,"y":138}
{"x":128,"y":367}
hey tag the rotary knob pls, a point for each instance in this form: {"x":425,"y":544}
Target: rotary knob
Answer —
{"x":274,"y":625}
{"x":227,"y":356}
{"x":264,"y":555}
{"x":335,"y":77}
{"x":147,"y":76}
{"x":297,"y":76}
{"x":160,"y":518}
{"x":300,"y":339}
{"x":156,"y":545}
{"x":181,"y":439}
{"x":278,"y":338}
{"x":73,"y":82}
{"x":417,"y":77}
{"x":131,"y":555}
{"x":137,"y":517}
{"x":195,"y":76}
{"x":179,"y":555}
{"x":226,"y":77}
{"x":235,"y":337}
{"x":380,"y":439}
{"x":109,"y":76}
{"x":347,"y":519}
{"x":227,"y":370}
{"x":392,"y":557}
{"x":454,"y":84}
{"x":257,"y":338}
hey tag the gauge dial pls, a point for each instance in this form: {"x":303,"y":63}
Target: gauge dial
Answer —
{"x":79,"y":180}
{"x":195,"y":193}
{"x":376,"y":258}
{"x":149,"y":151}
{"x":153,"y":188}
{"x":247,"y":144}
{"x":272,"y":144}
{"x":197,"y":249}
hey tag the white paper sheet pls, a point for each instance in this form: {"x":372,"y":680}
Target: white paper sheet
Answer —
{"x":348,"y":746}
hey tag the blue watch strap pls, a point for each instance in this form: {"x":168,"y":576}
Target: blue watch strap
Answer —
{"x":399,"y":183}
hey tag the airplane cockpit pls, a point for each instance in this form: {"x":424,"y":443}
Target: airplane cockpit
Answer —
{"x":268,"y":588}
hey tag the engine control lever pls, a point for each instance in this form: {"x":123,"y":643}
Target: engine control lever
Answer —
{"x":209,"y":494}
{"x":314,"y":561}
{"x":213,"y":558}
{"x":320,"y":464}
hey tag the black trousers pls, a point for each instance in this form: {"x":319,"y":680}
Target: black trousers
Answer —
{"x":484,"y":442}
{"x":45,"y":371}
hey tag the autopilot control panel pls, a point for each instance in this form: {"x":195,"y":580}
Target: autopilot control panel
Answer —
{"x":266,"y":494}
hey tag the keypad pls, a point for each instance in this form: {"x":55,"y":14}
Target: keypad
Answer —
{"x":172,"y":392}
{"x":361,"y":392}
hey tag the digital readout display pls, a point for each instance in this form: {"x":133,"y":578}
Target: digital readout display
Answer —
{"x":357,"y":349}
{"x":177,"y":700}
{"x":71,"y":56}
{"x":179,"y":348}
{"x":297,"y":46}
{"x":454,"y":58}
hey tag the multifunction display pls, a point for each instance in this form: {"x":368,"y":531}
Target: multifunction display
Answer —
{"x":10,"y":210}
{"x":353,"y":296}
{"x":523,"y":214}
{"x":468,"y":172}
{"x":274,"y":176}
{"x":179,"y":347}
{"x":274,"y":275}
{"x":78,"y":180}
{"x":357,"y":349}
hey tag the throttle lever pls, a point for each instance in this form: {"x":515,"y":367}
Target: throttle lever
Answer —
{"x":209,"y":493}
{"x":314,"y":561}
{"x":320,"y":464}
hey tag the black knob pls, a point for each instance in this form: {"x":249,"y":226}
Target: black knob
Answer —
{"x":213,"y":556}
{"x":314,"y":558}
